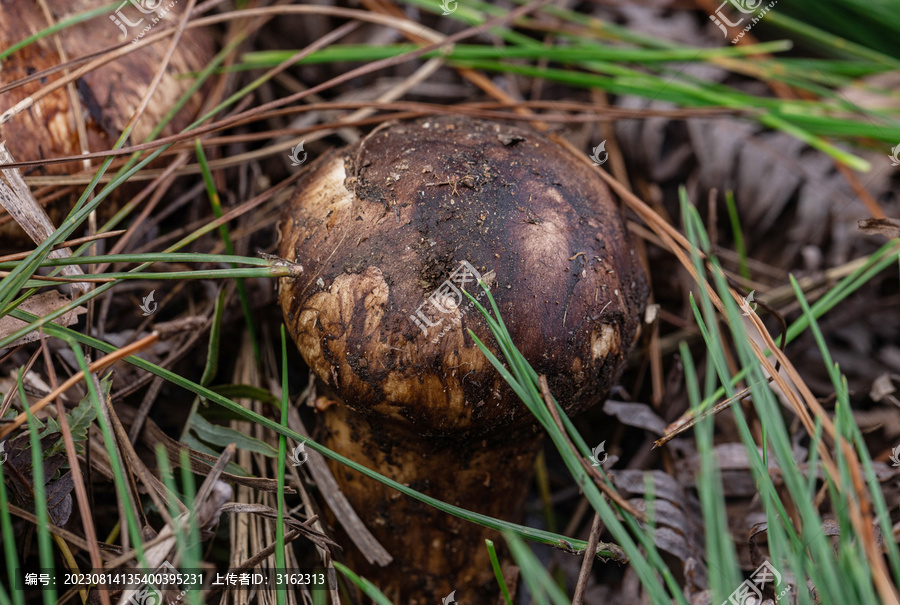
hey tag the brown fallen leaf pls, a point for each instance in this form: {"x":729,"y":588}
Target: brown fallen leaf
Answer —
{"x":883,"y":388}
{"x":638,"y":415}
{"x":679,"y":527}
{"x":58,"y":490}
{"x":40,"y":304}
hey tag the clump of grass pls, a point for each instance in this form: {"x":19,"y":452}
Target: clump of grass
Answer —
{"x":845,"y":572}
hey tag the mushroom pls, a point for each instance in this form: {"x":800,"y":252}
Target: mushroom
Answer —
{"x":107,"y":96}
{"x":391,"y":230}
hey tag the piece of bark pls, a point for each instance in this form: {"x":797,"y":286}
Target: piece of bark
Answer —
{"x":40,"y":304}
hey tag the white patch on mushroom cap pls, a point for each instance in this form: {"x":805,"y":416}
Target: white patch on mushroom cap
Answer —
{"x":545,"y":236}
{"x":328,"y":196}
{"x":604,"y":342}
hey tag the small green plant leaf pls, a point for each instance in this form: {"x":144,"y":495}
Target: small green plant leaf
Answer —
{"x":222,"y":436}
{"x":79,"y":420}
{"x":212,"y":356}
{"x":197,"y":445}
{"x":246,"y":391}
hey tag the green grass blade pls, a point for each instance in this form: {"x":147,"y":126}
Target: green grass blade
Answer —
{"x":720,"y":554}
{"x":282,"y":455}
{"x":45,"y":549}
{"x":212,"y":351}
{"x":738,"y":234}
{"x":79,"y":18}
{"x":10,"y":548}
{"x":192,"y":553}
{"x":540,"y":584}
{"x":116,"y":462}
{"x":216,"y":204}
{"x":369,"y":589}
{"x":495,"y":564}
{"x":148,"y":258}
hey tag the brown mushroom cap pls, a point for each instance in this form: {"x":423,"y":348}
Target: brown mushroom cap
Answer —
{"x":108,"y":96}
{"x":389,"y":230}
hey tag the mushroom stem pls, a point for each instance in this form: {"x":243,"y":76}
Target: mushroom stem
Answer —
{"x":488,"y":476}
